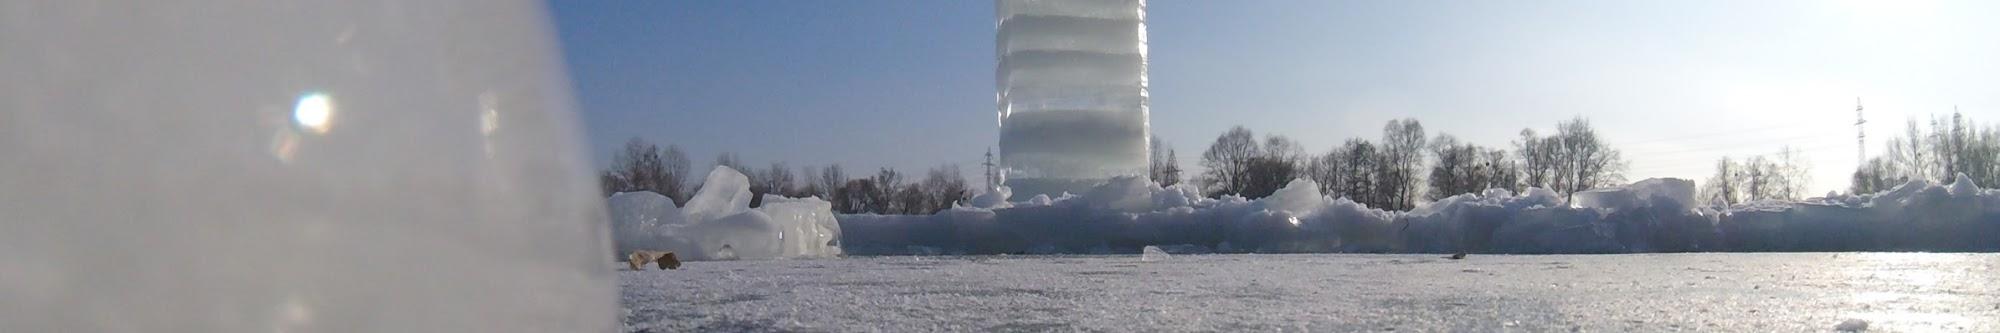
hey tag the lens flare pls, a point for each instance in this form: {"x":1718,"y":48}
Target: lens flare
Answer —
{"x":314,"y":112}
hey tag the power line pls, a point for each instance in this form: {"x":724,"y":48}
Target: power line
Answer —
{"x":1715,"y":146}
{"x":1715,"y":133}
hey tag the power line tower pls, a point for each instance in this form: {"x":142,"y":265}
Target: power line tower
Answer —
{"x":1860,"y":136}
{"x":989,"y":167}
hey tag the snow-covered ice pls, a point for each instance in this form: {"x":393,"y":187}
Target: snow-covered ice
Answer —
{"x":1654,"y":215}
{"x":718,"y":223}
{"x":1770,"y":292}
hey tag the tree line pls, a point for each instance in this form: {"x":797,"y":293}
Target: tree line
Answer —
{"x":1406,"y":167}
{"x":644,"y":166}
{"x":1782,"y":176}
{"x":1949,"y":146}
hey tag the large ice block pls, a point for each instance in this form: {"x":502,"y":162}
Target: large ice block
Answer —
{"x":1071,"y":97}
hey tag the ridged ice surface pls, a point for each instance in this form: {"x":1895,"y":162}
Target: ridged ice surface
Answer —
{"x":1072,"y":97}
{"x":1890,"y":292}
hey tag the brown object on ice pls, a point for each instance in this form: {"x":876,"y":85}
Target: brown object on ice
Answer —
{"x":669,"y":261}
{"x":638,"y":259}
{"x":1456,"y":256}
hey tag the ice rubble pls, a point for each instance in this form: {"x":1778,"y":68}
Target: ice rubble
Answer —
{"x":1654,"y":215}
{"x":718,"y":223}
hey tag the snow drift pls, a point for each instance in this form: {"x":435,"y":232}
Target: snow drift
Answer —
{"x":1655,"y":215}
{"x":718,"y":223}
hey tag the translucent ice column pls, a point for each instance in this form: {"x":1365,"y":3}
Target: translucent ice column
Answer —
{"x":1072,"y":92}
{"x":294,"y":166}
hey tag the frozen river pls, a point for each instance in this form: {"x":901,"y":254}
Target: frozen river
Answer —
{"x":1320,"y":292}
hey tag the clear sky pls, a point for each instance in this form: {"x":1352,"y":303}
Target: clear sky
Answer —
{"x":1673,"y":84}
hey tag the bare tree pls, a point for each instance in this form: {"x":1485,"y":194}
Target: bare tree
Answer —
{"x":1876,"y":175}
{"x":856,"y":196}
{"x":674,"y":183}
{"x":1505,"y":170}
{"x":882,"y":200}
{"x":1724,"y":188}
{"x":778,"y":179}
{"x":638,"y":167}
{"x":942,"y":187}
{"x":810,"y":183}
{"x":1952,"y":146}
{"x":1163,"y":168}
{"x":1781,"y":176}
{"x":1267,"y":174}
{"x":1284,"y":149}
{"x":832,"y":178}
{"x":1583,"y":160}
{"x":611,"y":183}
{"x":1403,"y":144}
{"x":1456,"y":168}
{"x":1228,"y":160}
{"x":730,"y":160}
{"x":1327,"y":170}
{"x":1538,"y":159}
{"x":1912,"y":152}
{"x":1359,"y":163}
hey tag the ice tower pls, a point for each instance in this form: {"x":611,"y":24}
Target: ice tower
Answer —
{"x":1072,"y":92}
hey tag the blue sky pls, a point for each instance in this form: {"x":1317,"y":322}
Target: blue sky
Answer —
{"x":909,"y":84}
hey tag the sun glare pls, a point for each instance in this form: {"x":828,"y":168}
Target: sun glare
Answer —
{"x":314,"y":112}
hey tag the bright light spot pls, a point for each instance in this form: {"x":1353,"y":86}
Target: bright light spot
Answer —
{"x":293,"y":316}
{"x":489,"y":114}
{"x":314,"y":112}
{"x":1294,"y":220}
{"x":1896,"y":10}
{"x":489,"y":119}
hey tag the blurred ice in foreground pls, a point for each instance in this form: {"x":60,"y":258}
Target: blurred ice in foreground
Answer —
{"x":293,"y":166}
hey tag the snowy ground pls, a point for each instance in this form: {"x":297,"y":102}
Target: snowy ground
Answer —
{"x":1325,"y":292}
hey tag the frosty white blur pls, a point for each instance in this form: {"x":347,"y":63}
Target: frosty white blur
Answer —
{"x":275,"y":166}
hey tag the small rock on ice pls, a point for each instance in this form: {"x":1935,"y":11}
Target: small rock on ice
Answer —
{"x":1851,"y":325}
{"x":1153,"y":253}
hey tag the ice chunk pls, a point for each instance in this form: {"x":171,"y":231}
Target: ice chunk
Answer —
{"x":1851,"y":325}
{"x":638,"y":218}
{"x":780,"y":228}
{"x":1963,"y":186}
{"x":1179,"y":195}
{"x":725,"y":192}
{"x":1300,"y":197}
{"x":1040,"y":200}
{"x":1153,"y":253}
{"x":1647,"y":193}
{"x":993,"y":198}
{"x":806,"y":226}
{"x":1122,"y":194}
{"x":1071,"y":83}
{"x":644,"y":208}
